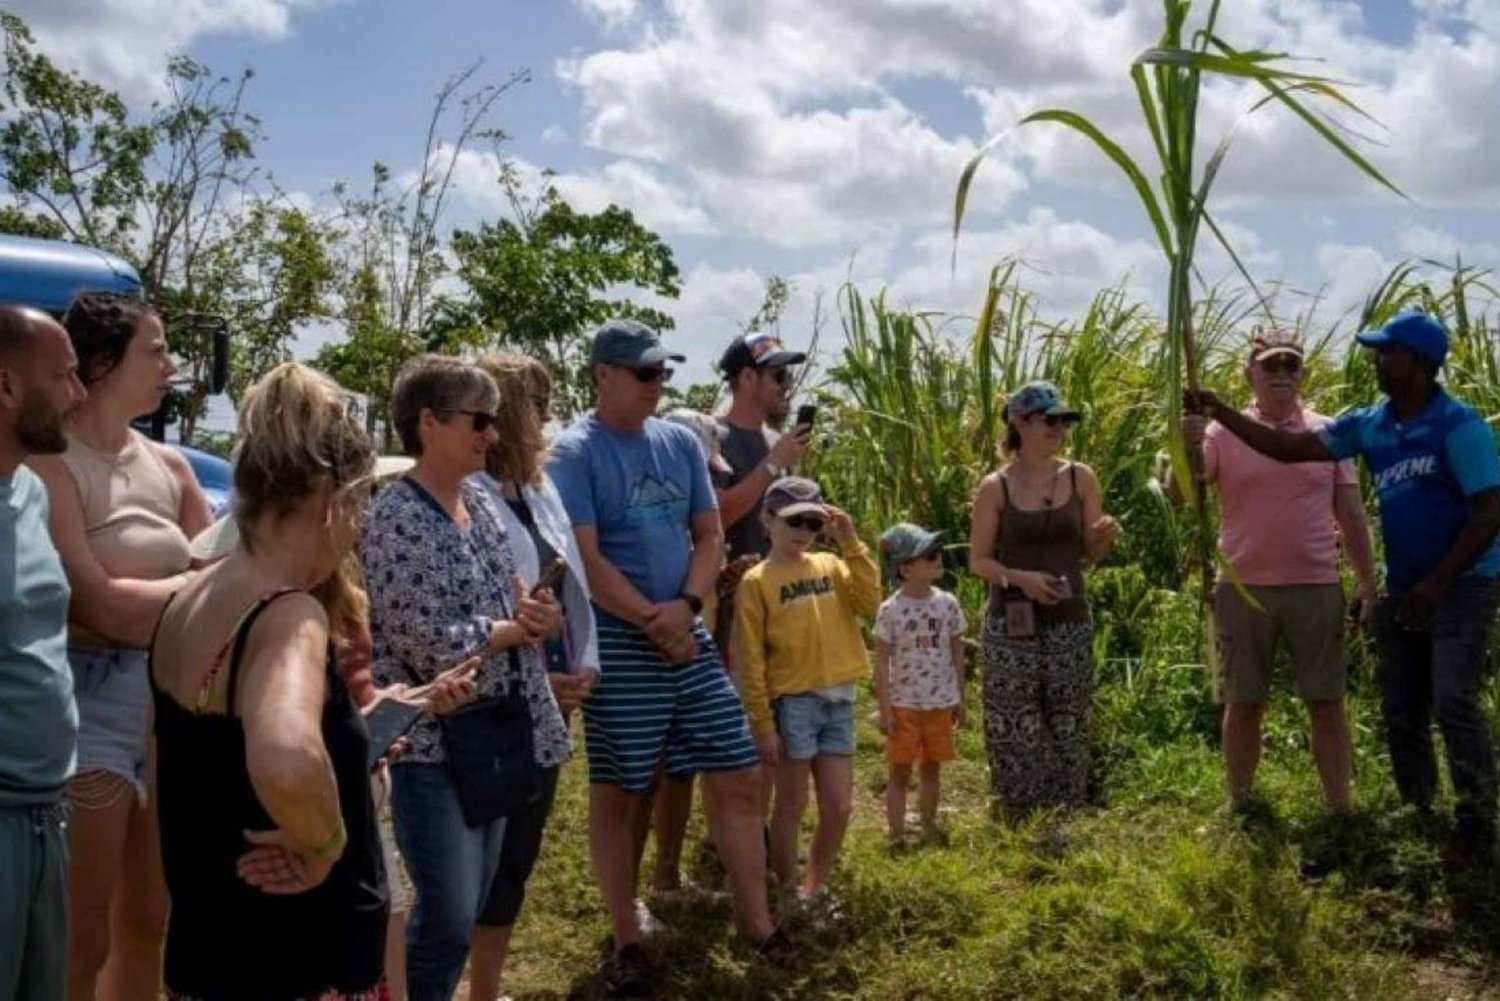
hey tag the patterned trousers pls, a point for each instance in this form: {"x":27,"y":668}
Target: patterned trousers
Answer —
{"x":1038,"y":698}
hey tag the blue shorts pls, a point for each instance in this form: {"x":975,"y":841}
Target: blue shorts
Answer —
{"x":645,"y":709}
{"x":114,"y":711}
{"x":811,"y":724}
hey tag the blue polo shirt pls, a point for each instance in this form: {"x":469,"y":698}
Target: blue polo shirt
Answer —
{"x":1424,"y":472}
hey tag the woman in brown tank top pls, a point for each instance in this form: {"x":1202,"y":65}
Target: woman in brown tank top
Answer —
{"x":123,"y":510}
{"x":1036,"y":523}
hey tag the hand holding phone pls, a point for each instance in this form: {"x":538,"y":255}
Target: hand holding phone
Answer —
{"x":807,"y":415}
{"x":551,"y":578}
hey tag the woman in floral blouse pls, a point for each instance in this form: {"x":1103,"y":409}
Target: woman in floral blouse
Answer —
{"x":443,"y":588}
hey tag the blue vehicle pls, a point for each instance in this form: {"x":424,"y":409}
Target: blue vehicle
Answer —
{"x":47,"y":274}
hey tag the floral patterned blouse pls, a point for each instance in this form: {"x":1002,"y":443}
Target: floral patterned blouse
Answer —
{"x":436,"y":592}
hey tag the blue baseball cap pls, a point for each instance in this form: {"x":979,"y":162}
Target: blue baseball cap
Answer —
{"x":628,"y":343}
{"x":1038,"y":398}
{"x":1412,"y":329}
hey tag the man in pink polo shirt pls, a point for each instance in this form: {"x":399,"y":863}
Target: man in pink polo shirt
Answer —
{"x":1281,"y":525}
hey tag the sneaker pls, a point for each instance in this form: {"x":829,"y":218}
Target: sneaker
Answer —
{"x":651,"y":925}
{"x":629,"y":974}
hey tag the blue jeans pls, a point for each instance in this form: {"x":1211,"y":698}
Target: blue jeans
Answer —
{"x":33,"y":902}
{"x":452,"y":866}
{"x":1438,"y":672}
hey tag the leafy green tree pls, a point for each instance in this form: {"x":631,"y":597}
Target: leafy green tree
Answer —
{"x":541,"y":280}
{"x":174,"y":190}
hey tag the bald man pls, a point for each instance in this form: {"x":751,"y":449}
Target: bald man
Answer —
{"x":39,"y":389}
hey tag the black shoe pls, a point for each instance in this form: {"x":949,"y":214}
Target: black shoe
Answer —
{"x":1471,"y":846}
{"x":777,"y":948}
{"x":629,"y":974}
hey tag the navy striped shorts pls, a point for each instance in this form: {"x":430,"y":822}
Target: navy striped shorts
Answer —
{"x":645,"y":708}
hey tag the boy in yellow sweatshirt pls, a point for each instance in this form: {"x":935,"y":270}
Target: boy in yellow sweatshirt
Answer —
{"x":799,"y":653}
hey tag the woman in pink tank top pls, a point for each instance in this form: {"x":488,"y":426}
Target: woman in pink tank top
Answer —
{"x":123,"y":510}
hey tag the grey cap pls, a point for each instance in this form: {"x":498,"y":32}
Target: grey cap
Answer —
{"x":793,"y":495}
{"x":628,"y":343}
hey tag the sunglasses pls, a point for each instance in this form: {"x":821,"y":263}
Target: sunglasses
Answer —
{"x":810,"y":522}
{"x":654,"y":373}
{"x":929,"y":556}
{"x":1290,"y":364}
{"x":783,"y":376}
{"x":1053,"y":420}
{"x":482,"y":420}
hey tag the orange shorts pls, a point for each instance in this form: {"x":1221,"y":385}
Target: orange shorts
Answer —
{"x":920,"y":735}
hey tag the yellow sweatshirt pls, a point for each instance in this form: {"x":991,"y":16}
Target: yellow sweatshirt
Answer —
{"x":796,"y":627}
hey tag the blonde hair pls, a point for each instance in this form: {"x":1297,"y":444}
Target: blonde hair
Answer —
{"x":521,"y":453}
{"x":298,"y":438}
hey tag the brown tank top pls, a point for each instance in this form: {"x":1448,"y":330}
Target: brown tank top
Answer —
{"x":1050,"y":540}
{"x":131,"y":504}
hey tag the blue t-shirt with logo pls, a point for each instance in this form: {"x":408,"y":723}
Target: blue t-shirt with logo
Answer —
{"x":640,"y":492}
{"x":1424,"y":471}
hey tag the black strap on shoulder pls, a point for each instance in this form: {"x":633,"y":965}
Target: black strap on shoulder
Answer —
{"x":155,"y":632}
{"x":1005,"y":488}
{"x":237,"y":649}
{"x":1073,"y":481}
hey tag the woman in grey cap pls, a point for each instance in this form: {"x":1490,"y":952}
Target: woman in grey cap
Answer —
{"x":1036,"y":522}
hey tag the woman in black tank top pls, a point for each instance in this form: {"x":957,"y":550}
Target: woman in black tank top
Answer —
{"x":1037,"y":522}
{"x":269,"y":843}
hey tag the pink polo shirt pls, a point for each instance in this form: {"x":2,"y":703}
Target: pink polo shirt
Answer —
{"x":1277,"y":526}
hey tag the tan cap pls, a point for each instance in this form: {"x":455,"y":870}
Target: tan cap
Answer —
{"x":1265,"y":343}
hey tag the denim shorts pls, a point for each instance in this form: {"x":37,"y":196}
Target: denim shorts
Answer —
{"x":114,"y":711}
{"x":811,"y":724}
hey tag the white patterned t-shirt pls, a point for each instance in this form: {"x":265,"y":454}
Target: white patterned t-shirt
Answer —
{"x":920,"y":634}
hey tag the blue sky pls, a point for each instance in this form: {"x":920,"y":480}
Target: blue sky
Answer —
{"x":819,"y":140}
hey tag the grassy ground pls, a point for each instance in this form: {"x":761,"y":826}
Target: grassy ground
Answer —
{"x":1155,"y":892}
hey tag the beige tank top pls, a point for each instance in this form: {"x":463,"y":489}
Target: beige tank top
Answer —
{"x":131,"y":503}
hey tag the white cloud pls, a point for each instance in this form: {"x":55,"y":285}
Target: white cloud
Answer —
{"x":1431,"y":244}
{"x":125,"y":45}
{"x":610,"y":12}
{"x":656,"y":202}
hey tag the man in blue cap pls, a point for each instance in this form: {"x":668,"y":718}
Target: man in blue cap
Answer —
{"x":1432,"y":459}
{"x":643,"y":510}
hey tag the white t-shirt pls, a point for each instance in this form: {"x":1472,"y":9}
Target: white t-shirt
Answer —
{"x":920,"y":634}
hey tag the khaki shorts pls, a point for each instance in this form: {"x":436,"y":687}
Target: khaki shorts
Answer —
{"x":1311,"y":619}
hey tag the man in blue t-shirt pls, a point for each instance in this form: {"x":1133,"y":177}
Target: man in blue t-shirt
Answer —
{"x":638,"y":493}
{"x":39,"y":388}
{"x":1433,"y":463}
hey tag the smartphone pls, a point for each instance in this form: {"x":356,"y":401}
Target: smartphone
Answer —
{"x":551,"y":577}
{"x":806,"y":415}
{"x":388,"y":722}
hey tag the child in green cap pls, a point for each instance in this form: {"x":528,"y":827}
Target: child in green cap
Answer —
{"x":919,"y":673}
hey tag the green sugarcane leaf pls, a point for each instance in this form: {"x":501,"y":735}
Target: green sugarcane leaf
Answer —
{"x":1112,"y":149}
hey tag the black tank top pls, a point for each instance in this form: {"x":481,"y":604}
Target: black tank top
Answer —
{"x":227,"y":941}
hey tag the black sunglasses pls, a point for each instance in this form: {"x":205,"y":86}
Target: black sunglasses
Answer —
{"x":783,"y":376}
{"x":654,"y":373}
{"x":482,"y":420}
{"x":1053,"y":420}
{"x":931,"y":554}
{"x":811,"y":522}
{"x":1290,"y":364}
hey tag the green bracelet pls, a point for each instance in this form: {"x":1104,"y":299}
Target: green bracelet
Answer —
{"x":335,"y":842}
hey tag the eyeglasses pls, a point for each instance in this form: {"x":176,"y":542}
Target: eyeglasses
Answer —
{"x":1290,"y":364}
{"x":482,"y":420}
{"x":1053,"y":420}
{"x":654,"y":373}
{"x":810,"y":522}
{"x":782,"y":375}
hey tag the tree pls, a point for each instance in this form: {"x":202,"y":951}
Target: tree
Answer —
{"x":392,"y":254}
{"x":540,"y":281}
{"x":174,"y":191}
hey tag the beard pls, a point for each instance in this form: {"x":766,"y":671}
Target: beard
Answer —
{"x":777,"y":416}
{"x":40,"y":431}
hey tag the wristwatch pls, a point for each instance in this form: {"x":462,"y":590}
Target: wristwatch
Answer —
{"x":694,"y":603}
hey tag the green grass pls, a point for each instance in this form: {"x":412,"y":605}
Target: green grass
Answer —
{"x":1157,"y":891}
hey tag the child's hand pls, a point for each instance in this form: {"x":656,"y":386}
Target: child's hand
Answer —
{"x":840,"y":525}
{"x":885,"y":720}
{"x":769,"y":746}
{"x":960,"y":714}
